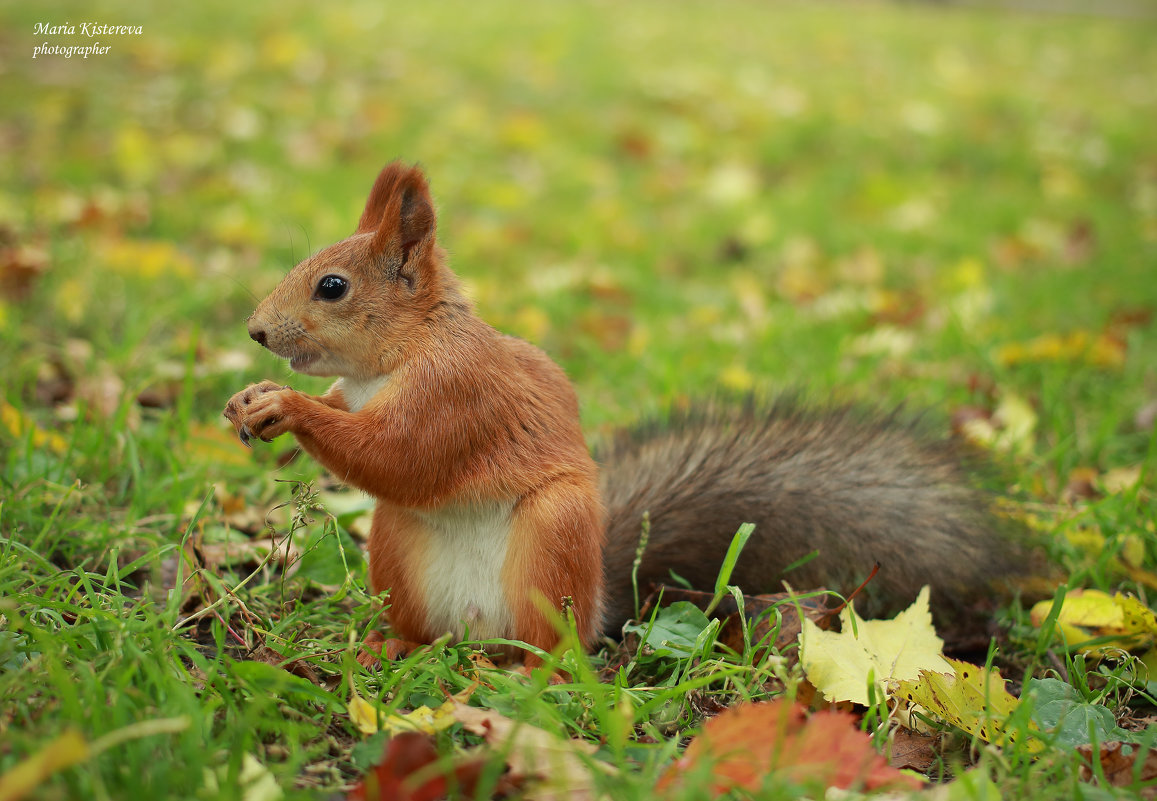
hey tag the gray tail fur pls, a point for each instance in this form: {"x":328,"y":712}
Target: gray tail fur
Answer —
{"x":853,"y":485}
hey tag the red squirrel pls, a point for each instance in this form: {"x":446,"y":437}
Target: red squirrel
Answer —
{"x":490,"y":513}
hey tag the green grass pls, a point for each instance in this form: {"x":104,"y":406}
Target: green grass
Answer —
{"x":867,"y":201}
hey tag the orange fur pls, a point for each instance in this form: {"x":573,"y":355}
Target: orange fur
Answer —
{"x":469,"y":434}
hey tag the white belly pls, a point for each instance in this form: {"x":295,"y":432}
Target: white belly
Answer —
{"x":467,"y":549}
{"x":359,"y":391}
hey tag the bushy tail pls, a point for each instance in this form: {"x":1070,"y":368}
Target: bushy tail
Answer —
{"x":856,"y":486}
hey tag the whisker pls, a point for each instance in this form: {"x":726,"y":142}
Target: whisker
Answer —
{"x":237,"y":281}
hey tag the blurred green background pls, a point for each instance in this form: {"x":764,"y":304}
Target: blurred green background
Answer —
{"x":667,"y":197}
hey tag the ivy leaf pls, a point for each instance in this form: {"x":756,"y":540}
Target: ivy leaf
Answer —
{"x":675,"y":630}
{"x":1059,"y":709}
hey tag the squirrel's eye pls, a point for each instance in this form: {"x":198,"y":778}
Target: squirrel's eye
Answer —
{"x":331,"y":287}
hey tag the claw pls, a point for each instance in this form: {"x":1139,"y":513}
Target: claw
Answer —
{"x":245,"y":434}
{"x":268,"y":423}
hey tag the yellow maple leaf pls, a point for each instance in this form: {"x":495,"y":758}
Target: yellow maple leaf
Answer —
{"x":1075,"y":347}
{"x":363,"y":714}
{"x":969,"y":697}
{"x":1092,"y":543}
{"x":17,"y":423}
{"x":1018,"y":423}
{"x":151,"y":258}
{"x":841,"y":664}
{"x":1087,"y":615}
{"x":423,"y":719}
{"x":368,"y":718}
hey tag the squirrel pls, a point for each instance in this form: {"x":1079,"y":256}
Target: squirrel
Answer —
{"x":492,"y":516}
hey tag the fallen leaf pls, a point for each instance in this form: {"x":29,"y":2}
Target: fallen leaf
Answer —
{"x":55,"y":384}
{"x":969,"y":697}
{"x":1082,"y":485}
{"x":1130,"y":549}
{"x":255,"y":781}
{"x":102,"y":392}
{"x":912,"y":750}
{"x":20,"y":269}
{"x":760,"y":619}
{"x":409,"y":771}
{"x":1094,"y":615}
{"x":1060,"y":710}
{"x":243,"y":553}
{"x":842,"y":664}
{"x":1120,"y":479}
{"x":1122,"y":765}
{"x":1016,"y":420}
{"x":1076,"y":347}
{"x":673,"y":631}
{"x":298,"y":667}
{"x":66,"y":750}
{"x":150,"y":259}
{"x":368,"y":718}
{"x":18,"y":424}
{"x":1008,"y":428}
{"x":363,"y":714}
{"x":745,"y":746}
{"x":565,"y":768}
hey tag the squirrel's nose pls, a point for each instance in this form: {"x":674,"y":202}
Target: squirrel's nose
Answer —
{"x":258,"y":336}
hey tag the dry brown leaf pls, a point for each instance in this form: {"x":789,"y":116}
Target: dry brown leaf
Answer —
{"x":564,"y":768}
{"x":1082,"y":485}
{"x":239,"y":513}
{"x":911,"y":750}
{"x":744,"y":746}
{"x":298,"y":667}
{"x":243,"y":553}
{"x":20,"y":269}
{"x":102,"y":393}
{"x":1120,"y":767}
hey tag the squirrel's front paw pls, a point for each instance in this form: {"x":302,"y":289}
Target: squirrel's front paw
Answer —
{"x":258,"y":411}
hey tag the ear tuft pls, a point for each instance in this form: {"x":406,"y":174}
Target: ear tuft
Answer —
{"x":399,"y":211}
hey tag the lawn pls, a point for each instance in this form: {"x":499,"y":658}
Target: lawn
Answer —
{"x":954,"y":209}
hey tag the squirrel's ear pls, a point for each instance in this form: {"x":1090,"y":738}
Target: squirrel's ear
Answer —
{"x":400,"y":212}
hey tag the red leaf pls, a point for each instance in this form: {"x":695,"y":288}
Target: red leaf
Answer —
{"x":405,"y":773}
{"x":743,"y":746}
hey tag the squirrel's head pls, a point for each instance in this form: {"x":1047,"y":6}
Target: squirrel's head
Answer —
{"x":355,"y":308}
